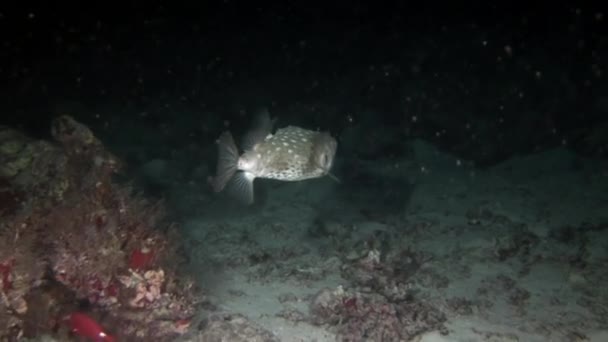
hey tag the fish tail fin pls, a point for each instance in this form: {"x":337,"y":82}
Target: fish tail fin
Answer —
{"x":241,"y":187}
{"x":227,"y":164}
{"x":260,"y":128}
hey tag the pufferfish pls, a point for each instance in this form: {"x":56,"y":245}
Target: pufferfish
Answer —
{"x":291,"y":154}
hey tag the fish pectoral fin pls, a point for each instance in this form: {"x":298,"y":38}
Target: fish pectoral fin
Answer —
{"x":260,"y":129}
{"x":241,"y":187}
{"x":334,"y":177}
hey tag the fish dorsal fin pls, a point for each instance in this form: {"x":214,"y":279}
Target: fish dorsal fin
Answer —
{"x":260,"y":129}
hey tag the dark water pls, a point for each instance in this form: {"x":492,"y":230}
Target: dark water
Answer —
{"x":484,"y":82}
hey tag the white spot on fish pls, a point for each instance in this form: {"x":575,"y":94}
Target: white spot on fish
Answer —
{"x":285,"y":144}
{"x":290,"y":151}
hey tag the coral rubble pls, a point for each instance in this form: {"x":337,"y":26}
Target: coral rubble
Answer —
{"x":73,"y":241}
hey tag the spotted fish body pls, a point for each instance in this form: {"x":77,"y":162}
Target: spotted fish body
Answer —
{"x":291,"y":154}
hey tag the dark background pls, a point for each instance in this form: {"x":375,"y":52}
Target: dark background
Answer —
{"x":484,"y":82}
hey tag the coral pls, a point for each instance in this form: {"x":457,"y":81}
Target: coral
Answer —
{"x":15,"y":152}
{"x":20,"y":268}
{"x":382,"y":304}
{"x":372,"y":317}
{"x":72,"y":239}
{"x":10,"y":199}
{"x":234,"y":328}
{"x":147,"y":287}
{"x":389,"y":275}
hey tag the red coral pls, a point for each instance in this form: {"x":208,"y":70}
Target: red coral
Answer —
{"x":83,"y":325}
{"x":350,"y":303}
{"x":141,"y":258}
{"x":5,"y":274}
